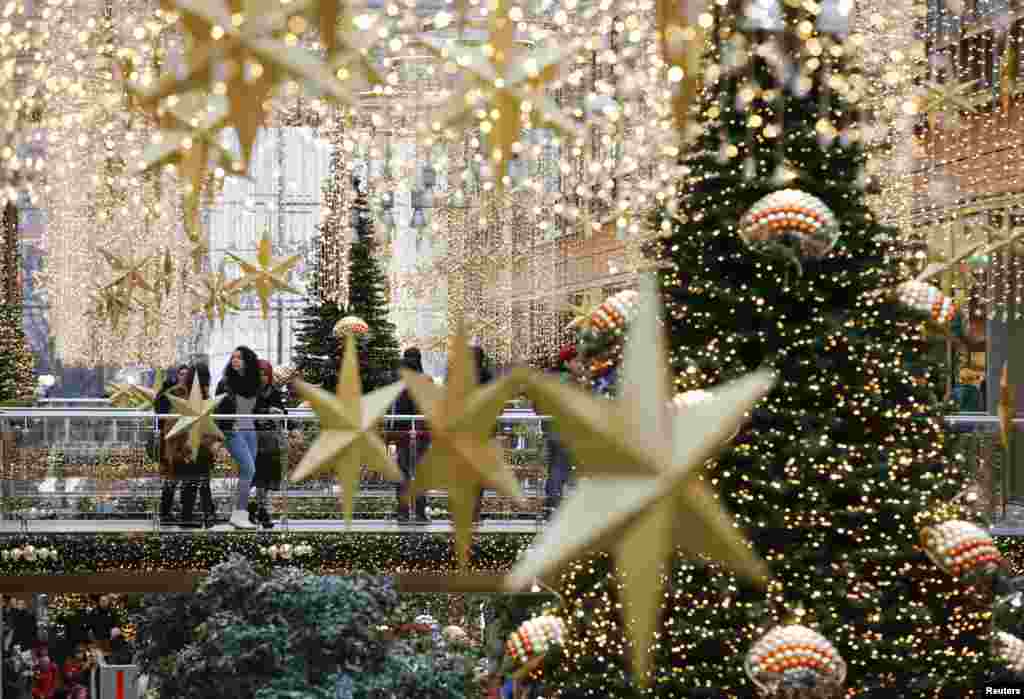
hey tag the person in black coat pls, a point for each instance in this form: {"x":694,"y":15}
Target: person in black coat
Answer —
{"x":271,"y":446}
{"x":170,"y":455}
{"x":410,"y":451}
{"x":559,"y":464}
{"x":102,"y":620}
{"x":195,"y":472}
{"x":484,"y":375}
{"x":241,"y":388}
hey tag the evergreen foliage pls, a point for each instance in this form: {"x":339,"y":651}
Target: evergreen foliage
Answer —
{"x":368,"y":299}
{"x":246,"y":635}
{"x":17,"y":380}
{"x":315,"y":354}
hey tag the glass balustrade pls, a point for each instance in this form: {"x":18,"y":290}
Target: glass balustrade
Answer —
{"x":104,"y":464}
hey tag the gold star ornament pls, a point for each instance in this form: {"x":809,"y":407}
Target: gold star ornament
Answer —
{"x":217,"y":295}
{"x":682,"y":49}
{"x":500,"y":81}
{"x":196,"y":417}
{"x":348,"y":430}
{"x":234,"y":51}
{"x":641,"y":495}
{"x":1007,"y":406}
{"x":128,"y":274}
{"x":463,"y":456}
{"x":267,"y":275}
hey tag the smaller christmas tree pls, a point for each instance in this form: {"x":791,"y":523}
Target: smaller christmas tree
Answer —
{"x":16,"y":360}
{"x":368,"y":300}
{"x":316,"y":348}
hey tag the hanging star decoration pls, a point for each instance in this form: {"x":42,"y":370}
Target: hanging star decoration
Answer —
{"x":122,"y":395}
{"x":110,"y":304}
{"x":196,"y":417}
{"x":951,"y":97}
{"x":267,"y":275}
{"x":1008,"y":74}
{"x":463,"y":456}
{"x":642,"y":496}
{"x":136,"y":396}
{"x":240,"y":38}
{"x":190,"y":138}
{"x":128,"y":274}
{"x":198,"y":243}
{"x":348,"y":430}
{"x":682,"y":50}
{"x":218,"y":296}
{"x":1007,"y":406}
{"x":500,"y":81}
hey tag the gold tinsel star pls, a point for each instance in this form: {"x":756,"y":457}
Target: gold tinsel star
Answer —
{"x":240,"y":38}
{"x":218,"y":295}
{"x":128,"y":274}
{"x":463,"y":456}
{"x":642,"y":495}
{"x":189,"y":140}
{"x":1007,"y":406}
{"x":939,"y":98}
{"x":682,"y":49}
{"x":348,"y":429}
{"x":196,"y":417}
{"x":267,"y":275}
{"x":500,"y":79}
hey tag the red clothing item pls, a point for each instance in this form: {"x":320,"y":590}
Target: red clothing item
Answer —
{"x":45,"y":684}
{"x":75,"y":672}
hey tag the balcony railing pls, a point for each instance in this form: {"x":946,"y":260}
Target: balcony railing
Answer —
{"x":59,"y":463}
{"x":103,"y":464}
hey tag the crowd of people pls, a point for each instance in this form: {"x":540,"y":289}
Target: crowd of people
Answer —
{"x":34,"y":670}
{"x":259,"y":446}
{"x":256,"y":445}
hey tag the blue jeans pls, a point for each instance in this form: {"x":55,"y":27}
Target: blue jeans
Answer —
{"x":242,"y":447}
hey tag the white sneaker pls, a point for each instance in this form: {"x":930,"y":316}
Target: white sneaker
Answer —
{"x":240,"y":520}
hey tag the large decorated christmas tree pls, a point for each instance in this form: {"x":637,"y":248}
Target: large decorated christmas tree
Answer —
{"x":772,"y":257}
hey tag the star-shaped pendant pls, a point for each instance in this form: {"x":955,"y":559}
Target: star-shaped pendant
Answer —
{"x":499,"y":80}
{"x":128,"y":274}
{"x":642,"y":496}
{"x":1007,"y":406}
{"x":240,"y":38}
{"x":348,"y":430}
{"x":218,"y":296}
{"x":463,"y":456}
{"x":122,"y":395}
{"x":267,"y":275}
{"x":196,"y":417}
{"x":939,"y":98}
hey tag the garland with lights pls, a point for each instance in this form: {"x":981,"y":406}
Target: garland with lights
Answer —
{"x":330,"y":552}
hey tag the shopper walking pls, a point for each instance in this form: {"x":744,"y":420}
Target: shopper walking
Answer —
{"x":195,"y":472}
{"x":558,"y":457}
{"x":172,"y":452}
{"x":412,"y":443}
{"x":484,"y":375}
{"x":272,"y":446}
{"x":241,"y":387}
